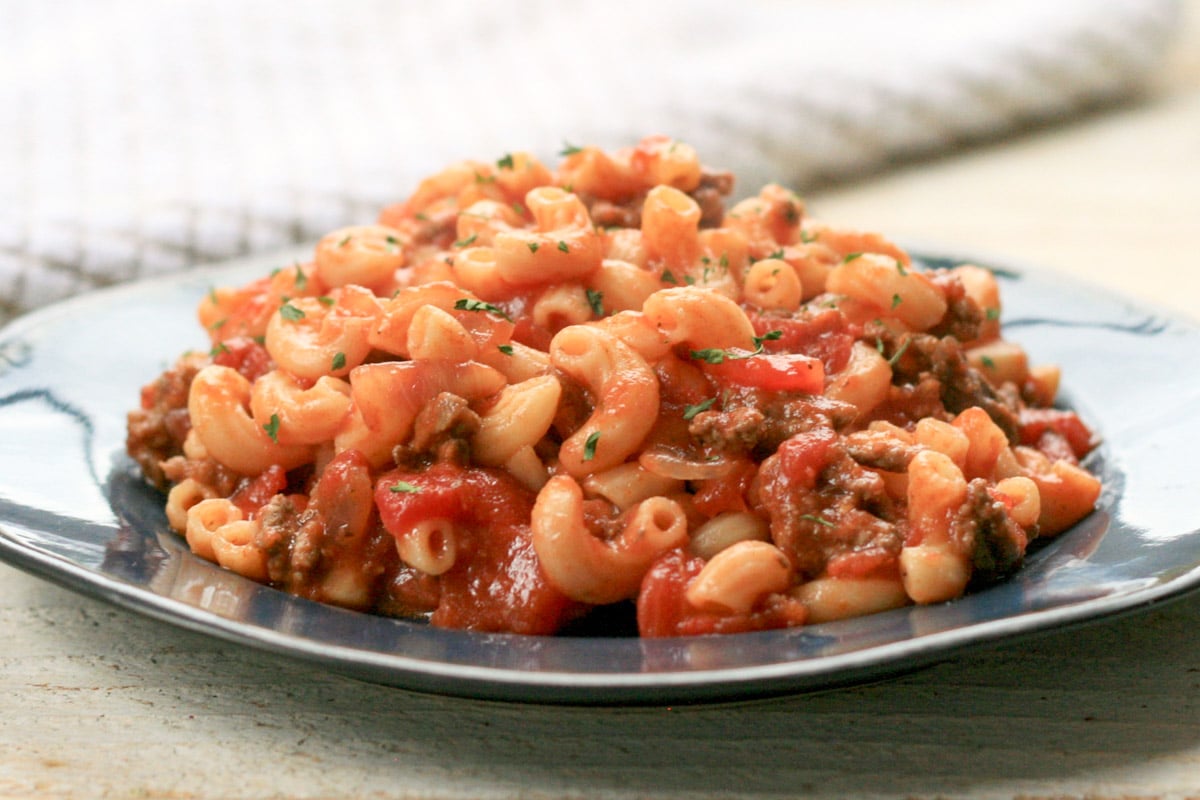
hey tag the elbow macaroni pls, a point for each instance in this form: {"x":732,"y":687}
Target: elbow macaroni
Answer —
{"x":528,"y":391}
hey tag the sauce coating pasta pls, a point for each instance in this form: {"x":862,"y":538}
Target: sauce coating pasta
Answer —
{"x":525,"y":392}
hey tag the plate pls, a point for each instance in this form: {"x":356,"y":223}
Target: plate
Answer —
{"x":73,"y":510}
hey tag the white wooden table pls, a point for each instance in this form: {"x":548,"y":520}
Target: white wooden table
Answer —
{"x":96,"y":702}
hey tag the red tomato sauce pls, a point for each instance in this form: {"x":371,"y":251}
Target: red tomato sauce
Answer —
{"x":496,"y":583}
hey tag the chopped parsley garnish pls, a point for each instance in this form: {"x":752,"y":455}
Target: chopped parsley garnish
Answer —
{"x":218,"y":349}
{"x":668,"y":277}
{"x":896,"y":355}
{"x":393,"y":244}
{"x":533,"y":247}
{"x":564,"y":247}
{"x":900,"y":267}
{"x":717,"y":355}
{"x":467,"y":242}
{"x":987,"y":362}
{"x":589,"y":446}
{"x":467,"y":304}
{"x":272,"y":428}
{"x":595,"y":299}
{"x":569,"y":149}
{"x":710,"y":355}
{"x":992,"y":314}
{"x":808,"y":238}
{"x":850,"y":257}
{"x":896,"y":300}
{"x":769,"y":336}
{"x":326,"y":300}
{"x":404,"y":487}
{"x":817,"y":519}
{"x":339,"y":361}
{"x":507,"y":349}
{"x":345,"y":240}
{"x":693,"y":410}
{"x":301,"y":278}
{"x":290,"y":312}
{"x":777,"y":254}
{"x":506,"y":162}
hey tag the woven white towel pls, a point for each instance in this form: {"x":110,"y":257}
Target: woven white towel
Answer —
{"x":141,"y":137}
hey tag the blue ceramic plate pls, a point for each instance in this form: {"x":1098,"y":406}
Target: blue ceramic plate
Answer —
{"x":73,"y":510}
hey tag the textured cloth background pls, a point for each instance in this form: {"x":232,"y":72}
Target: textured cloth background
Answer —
{"x":138,"y":138}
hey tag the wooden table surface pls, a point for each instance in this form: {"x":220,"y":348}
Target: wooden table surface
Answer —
{"x":97,"y":702}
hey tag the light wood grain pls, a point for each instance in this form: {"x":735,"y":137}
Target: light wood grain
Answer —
{"x":96,"y":702}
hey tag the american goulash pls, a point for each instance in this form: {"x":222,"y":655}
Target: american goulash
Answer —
{"x":526,"y":392}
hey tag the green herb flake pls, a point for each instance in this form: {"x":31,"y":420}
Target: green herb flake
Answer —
{"x":992,"y":314}
{"x":326,"y":300}
{"x":691,"y":411}
{"x":506,"y":162}
{"x":896,"y":355}
{"x":817,"y":519}
{"x":896,"y":300}
{"x":212,"y":296}
{"x":467,"y":242}
{"x":290,"y":312}
{"x":589,"y":446}
{"x":569,"y":150}
{"x":808,"y":238}
{"x":404,"y":487}
{"x":301,"y":279}
{"x":711,"y":355}
{"x":507,"y":349}
{"x":769,"y":336}
{"x":987,"y":362}
{"x":533,"y":247}
{"x":467,"y":304}
{"x":339,"y":361}
{"x":218,"y":349}
{"x":595,"y":299}
{"x":564,"y":247}
{"x":272,"y":428}
{"x":345,"y":240}
{"x":850,"y":257}
{"x":900,"y":267}
{"x":668,"y":277}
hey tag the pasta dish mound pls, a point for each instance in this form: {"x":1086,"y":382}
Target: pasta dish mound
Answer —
{"x":527,"y":392}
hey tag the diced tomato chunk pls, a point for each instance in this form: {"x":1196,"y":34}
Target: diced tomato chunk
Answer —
{"x":800,"y":459}
{"x":727,"y":493}
{"x":245,"y":355}
{"x":824,"y":335}
{"x":663,"y":608}
{"x":771,"y":372}
{"x":254,"y":493}
{"x":496,"y":583}
{"x":1034,"y":423}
